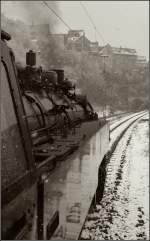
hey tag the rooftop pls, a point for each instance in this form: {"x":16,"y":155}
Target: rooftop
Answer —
{"x":124,"y":51}
{"x":141,"y":58}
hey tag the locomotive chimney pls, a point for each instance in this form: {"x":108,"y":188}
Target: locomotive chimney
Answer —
{"x":30,"y":58}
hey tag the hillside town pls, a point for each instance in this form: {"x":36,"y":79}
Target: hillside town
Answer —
{"x":111,"y":59}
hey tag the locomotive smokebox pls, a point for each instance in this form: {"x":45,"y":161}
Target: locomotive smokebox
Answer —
{"x":60,"y":74}
{"x":30,"y":58}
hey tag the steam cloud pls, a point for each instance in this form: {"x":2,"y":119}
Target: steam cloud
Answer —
{"x":16,"y":19}
{"x":31,"y":11}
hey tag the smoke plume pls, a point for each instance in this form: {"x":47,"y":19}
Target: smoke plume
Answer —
{"x":18,"y":18}
{"x":31,"y":12}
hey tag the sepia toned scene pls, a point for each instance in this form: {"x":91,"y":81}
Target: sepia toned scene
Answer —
{"x":74,"y":120}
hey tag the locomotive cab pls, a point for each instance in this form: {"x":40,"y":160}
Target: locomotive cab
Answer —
{"x":16,"y":153}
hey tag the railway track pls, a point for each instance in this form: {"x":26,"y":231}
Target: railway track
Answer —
{"x":114,"y":126}
{"x":115,"y":117}
{"x":116,"y":134}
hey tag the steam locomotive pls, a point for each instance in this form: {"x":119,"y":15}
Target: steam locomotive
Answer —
{"x":50,"y":101}
{"x":42,"y":121}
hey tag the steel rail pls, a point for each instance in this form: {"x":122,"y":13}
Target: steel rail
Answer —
{"x":122,"y":122}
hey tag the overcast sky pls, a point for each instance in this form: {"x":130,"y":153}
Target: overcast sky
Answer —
{"x":121,"y":23}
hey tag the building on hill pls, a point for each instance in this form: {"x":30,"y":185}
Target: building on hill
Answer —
{"x":141,"y":62}
{"x":94,"y":47}
{"x":111,"y":59}
{"x":73,"y":40}
{"x":76,"y":40}
{"x":61,"y":39}
{"x":118,"y":60}
{"x":74,"y":35}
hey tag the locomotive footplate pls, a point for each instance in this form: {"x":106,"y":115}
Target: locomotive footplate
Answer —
{"x":59,"y":150}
